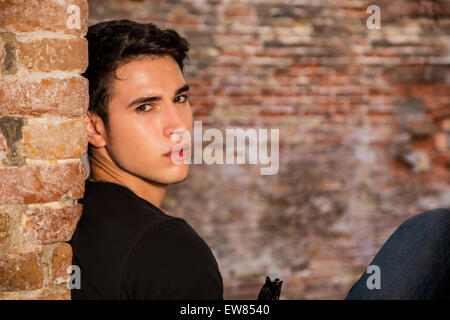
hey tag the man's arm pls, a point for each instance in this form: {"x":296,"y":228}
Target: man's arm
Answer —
{"x":171,"y":261}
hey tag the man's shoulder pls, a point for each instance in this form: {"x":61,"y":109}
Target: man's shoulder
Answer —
{"x":171,"y":260}
{"x":171,"y":240}
{"x":116,"y":205}
{"x":116,"y":216}
{"x":112,"y":222}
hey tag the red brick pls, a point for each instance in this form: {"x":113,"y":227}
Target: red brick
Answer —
{"x":58,"y":97}
{"x":11,"y":128}
{"x":442,"y":141}
{"x":445,"y":125}
{"x":233,"y":11}
{"x":2,"y":51}
{"x":42,"y":183}
{"x":3,"y":147}
{"x":59,"y":292}
{"x":20,"y":272}
{"x":61,"y":259}
{"x":4,"y":226}
{"x":48,"y":225}
{"x":8,"y":49}
{"x":49,"y":54}
{"x":59,"y":140}
{"x":33,"y":15}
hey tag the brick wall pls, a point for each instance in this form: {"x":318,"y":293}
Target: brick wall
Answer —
{"x":43,"y":101}
{"x":364,"y":119}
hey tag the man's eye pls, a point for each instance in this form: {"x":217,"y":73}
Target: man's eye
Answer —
{"x":143,"y":108}
{"x":181,"y":99}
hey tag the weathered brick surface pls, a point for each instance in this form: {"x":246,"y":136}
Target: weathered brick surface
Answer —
{"x":34,"y":15}
{"x":11,"y":129}
{"x":61,"y":260}
{"x":20,"y":272}
{"x":55,"y":140}
{"x":3,"y":147}
{"x":8,"y":43}
{"x":360,"y":113}
{"x":58,"y":97}
{"x":2,"y":51}
{"x":42,"y":183}
{"x":45,"y":55}
{"x":57,"y":292}
{"x":43,"y":102}
{"x":48,"y":225}
{"x":57,"y":258}
{"x":4,"y":227}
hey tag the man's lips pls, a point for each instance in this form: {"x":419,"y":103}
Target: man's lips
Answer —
{"x":179,"y":149}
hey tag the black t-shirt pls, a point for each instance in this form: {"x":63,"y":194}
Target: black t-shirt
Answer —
{"x":127,"y":248}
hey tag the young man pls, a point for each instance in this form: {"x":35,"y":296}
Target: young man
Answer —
{"x":124,"y":245}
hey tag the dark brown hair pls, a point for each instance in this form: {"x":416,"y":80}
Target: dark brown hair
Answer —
{"x":114,"y":43}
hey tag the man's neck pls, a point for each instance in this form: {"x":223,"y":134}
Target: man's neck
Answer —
{"x":104,"y":168}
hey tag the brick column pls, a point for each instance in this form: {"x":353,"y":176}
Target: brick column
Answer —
{"x":43,"y":101}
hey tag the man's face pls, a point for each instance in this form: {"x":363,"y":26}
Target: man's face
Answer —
{"x":149,"y":102}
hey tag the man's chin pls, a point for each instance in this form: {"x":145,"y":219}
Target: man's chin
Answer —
{"x":174,"y":177}
{"x":180,"y":179}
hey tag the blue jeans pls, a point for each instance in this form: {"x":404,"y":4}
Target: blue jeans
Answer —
{"x":414,"y":263}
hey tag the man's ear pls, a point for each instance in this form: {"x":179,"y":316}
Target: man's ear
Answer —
{"x":95,"y":130}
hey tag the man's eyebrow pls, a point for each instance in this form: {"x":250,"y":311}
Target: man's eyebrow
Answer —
{"x":182,"y":89}
{"x":143,"y":100}
{"x":157,"y":98}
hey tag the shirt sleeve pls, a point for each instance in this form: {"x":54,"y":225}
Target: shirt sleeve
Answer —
{"x":171,"y":261}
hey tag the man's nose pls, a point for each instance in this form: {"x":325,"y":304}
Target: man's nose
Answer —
{"x":173,"y":120}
